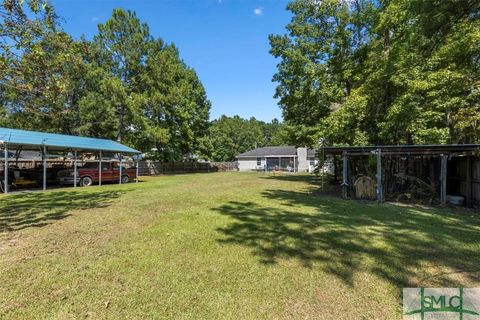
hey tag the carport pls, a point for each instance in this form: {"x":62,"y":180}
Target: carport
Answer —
{"x":70,"y":146}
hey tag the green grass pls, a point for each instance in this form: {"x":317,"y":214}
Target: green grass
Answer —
{"x":223,"y":246}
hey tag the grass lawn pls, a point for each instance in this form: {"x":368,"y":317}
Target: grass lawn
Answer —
{"x":223,"y":245}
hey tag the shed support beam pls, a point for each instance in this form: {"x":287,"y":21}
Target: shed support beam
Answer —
{"x":100,"y":168}
{"x":345,"y":177}
{"x":5,"y":170}
{"x":379,"y":177}
{"x":443,"y":179}
{"x":44,"y":156}
{"x":468,"y":190}
{"x":75,"y":169}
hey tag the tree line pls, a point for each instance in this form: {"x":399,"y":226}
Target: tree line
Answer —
{"x":360,"y":72}
{"x":124,"y":84}
{"x":227,"y":137}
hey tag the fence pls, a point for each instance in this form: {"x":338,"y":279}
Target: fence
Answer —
{"x":149,"y":168}
{"x":224,"y":166}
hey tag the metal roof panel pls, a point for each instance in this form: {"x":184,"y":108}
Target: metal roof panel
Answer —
{"x":61,"y":141}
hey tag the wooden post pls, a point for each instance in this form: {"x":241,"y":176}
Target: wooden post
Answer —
{"x":443,"y":179}
{"x":345,"y":176}
{"x":75,"y":169}
{"x":379,"y":177}
{"x":5,"y":170}
{"x":468,"y":190}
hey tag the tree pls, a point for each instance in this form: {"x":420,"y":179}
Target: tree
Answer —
{"x":124,"y":84}
{"x":22,"y":25}
{"x":381,"y":72}
{"x":320,"y":58}
{"x":47,"y":86}
{"x":175,"y":105}
{"x":229,"y":136}
{"x":123,"y":43}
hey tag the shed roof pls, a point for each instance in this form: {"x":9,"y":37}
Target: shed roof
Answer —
{"x":430,"y":149}
{"x":274,"y":151}
{"x":29,"y":139}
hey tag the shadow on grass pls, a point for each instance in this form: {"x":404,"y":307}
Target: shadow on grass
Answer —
{"x":405,"y":246}
{"x":293,"y":177}
{"x":37,"y":209}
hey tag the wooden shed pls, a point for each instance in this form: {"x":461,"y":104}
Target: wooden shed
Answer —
{"x":449,"y":172}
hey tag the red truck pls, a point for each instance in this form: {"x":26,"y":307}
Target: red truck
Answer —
{"x":88,"y":174}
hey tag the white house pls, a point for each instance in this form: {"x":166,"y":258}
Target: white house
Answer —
{"x":286,"y":158}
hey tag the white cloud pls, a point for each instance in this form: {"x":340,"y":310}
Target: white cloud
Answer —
{"x":258,"y":11}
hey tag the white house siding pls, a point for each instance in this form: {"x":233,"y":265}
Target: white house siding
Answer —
{"x":312,"y":166}
{"x":248,"y":160}
{"x":248,"y":164}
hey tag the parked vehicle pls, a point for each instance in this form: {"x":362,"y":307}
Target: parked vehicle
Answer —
{"x":88,"y":174}
{"x":18,"y":178}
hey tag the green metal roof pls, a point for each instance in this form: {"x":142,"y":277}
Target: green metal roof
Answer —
{"x":26,"y":139}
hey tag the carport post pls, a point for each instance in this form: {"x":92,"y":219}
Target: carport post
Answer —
{"x":75,"y":168}
{"x":44,"y":155}
{"x":5,"y":170}
{"x":136,"y":172}
{"x":120,"y":168}
{"x":100,"y":169}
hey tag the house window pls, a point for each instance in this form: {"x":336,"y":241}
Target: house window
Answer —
{"x":259,"y":161}
{"x":312,"y":161}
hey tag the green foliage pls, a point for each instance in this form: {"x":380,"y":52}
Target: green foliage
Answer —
{"x":229,"y":136}
{"x":175,"y":105}
{"x":123,"y":85}
{"x":369,"y":72}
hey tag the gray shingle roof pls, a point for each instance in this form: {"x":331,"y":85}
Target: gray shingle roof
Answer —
{"x":274,"y":151}
{"x":311,"y":152}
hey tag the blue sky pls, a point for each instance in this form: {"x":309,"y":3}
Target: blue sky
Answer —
{"x":226,"y":41}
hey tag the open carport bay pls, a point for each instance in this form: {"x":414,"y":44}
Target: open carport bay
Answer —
{"x":39,"y":159}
